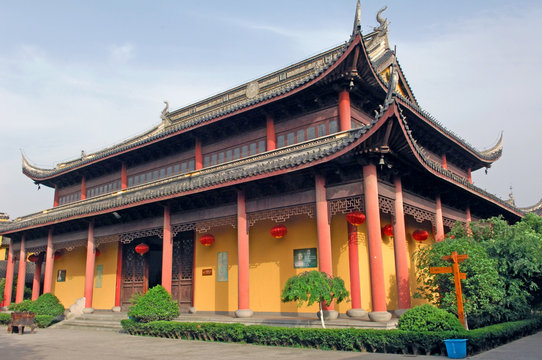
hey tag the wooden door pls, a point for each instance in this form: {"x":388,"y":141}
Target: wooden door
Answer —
{"x":182,"y":277}
{"x":134,"y":274}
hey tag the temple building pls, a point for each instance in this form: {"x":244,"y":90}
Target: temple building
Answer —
{"x":329,"y":164}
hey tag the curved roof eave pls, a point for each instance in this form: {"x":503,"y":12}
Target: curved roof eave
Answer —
{"x":444,"y":174}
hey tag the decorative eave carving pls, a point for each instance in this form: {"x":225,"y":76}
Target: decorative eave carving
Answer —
{"x":536,"y":208}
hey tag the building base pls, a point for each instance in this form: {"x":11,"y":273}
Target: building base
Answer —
{"x":88,"y":310}
{"x":192,"y":310}
{"x":380,"y":316}
{"x":115,"y":309}
{"x":399,"y":312}
{"x":329,"y":314}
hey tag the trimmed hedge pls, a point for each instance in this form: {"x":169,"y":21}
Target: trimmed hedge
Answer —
{"x":384,"y":341}
{"x":429,"y":318}
{"x":42,"y":321}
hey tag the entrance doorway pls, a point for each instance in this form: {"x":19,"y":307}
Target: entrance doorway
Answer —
{"x":142,"y":272}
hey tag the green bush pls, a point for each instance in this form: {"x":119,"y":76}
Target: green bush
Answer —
{"x":429,"y":318}
{"x":2,"y":287}
{"x":155,"y":305}
{"x":4,"y":318}
{"x":22,"y":306}
{"x":43,"y":321}
{"x":386,"y":341}
{"x":47,"y":304}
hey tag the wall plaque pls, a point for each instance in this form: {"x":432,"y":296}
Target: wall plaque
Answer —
{"x":305,"y":258}
{"x":207,"y":272}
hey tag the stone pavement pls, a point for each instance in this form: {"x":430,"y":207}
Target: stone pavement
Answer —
{"x":83,"y":344}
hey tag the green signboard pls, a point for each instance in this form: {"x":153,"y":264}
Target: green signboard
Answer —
{"x":305,"y":258}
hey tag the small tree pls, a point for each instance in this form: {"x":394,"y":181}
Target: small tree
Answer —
{"x":156,"y":304}
{"x":314,"y":286}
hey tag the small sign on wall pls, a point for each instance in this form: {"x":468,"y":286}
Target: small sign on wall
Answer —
{"x":61,"y":276}
{"x":99,"y":275}
{"x":305,"y":258}
{"x":222,"y":266}
{"x":207,"y":272}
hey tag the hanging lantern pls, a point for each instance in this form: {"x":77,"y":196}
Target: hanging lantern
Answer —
{"x":207,"y":240}
{"x":388,"y":230}
{"x":278,"y":231}
{"x":420,"y":235}
{"x":355,"y":218}
{"x":34,"y":258}
{"x":98,"y":252}
{"x":57,"y":255}
{"x":142,"y":249}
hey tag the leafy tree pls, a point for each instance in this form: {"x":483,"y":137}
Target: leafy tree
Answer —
{"x":314,"y":286}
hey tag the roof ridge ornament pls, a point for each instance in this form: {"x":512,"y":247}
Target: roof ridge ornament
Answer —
{"x":495,"y":149}
{"x":384,"y":23}
{"x":357,"y":20}
{"x":165,"y":115}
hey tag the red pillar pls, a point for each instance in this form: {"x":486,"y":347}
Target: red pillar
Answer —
{"x":49,"y":262}
{"x":444,"y":162}
{"x":167,"y":251}
{"x":439,"y":221}
{"x":468,"y":216}
{"x":123,"y":177}
{"x":55,"y":201}
{"x":198,"y":155}
{"x":243,"y":286}
{"x":345,"y":117}
{"x":324,"y":235}
{"x":37,"y":279}
{"x":9,"y":275}
{"x":83,"y":188}
{"x":118,"y":282}
{"x":89,"y":272}
{"x":469,"y":175}
{"x":353,"y":262}
{"x":271,"y":138}
{"x":19,"y":295}
{"x":401,"y":255}
{"x":376,"y":265}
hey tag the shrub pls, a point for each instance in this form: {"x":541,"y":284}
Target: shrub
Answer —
{"x":156,"y":304}
{"x":43,"y":321}
{"x":47,"y":304}
{"x":4,"y":318}
{"x":428,"y":318}
{"x":2,"y":287}
{"x":21,"y":307}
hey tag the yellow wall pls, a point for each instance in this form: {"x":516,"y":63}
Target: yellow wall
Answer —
{"x":74,"y":262}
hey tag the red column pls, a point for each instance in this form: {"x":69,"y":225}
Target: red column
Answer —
{"x":9,"y":275}
{"x":345,"y":117}
{"x":198,"y":155}
{"x":49,"y":262}
{"x":401,"y":255}
{"x":55,"y":201}
{"x":444,"y":162}
{"x":243,"y":286}
{"x":123,"y":177}
{"x":37,"y":280}
{"x":89,"y":272}
{"x":118,"y":282}
{"x":19,"y":295}
{"x":271,"y":139}
{"x":83,"y":188}
{"x":439,"y":236}
{"x":324,"y":235}
{"x":469,"y":175}
{"x":376,"y":265}
{"x":167,"y":251}
{"x":353,"y":262}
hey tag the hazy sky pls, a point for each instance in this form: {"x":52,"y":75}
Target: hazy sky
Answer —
{"x":80,"y":75}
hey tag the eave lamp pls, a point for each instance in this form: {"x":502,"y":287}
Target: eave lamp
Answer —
{"x":207,"y":240}
{"x":97,"y":252}
{"x":34,"y":258}
{"x":142,"y":249}
{"x":57,"y":255}
{"x":420,"y":235}
{"x":387,"y":230}
{"x":279,"y":231}
{"x":355,"y":218}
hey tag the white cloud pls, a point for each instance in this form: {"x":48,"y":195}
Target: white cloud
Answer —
{"x":121,"y":54}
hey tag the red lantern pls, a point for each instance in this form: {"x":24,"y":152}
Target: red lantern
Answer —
{"x":355,"y":218}
{"x":388,"y":230}
{"x":420,"y":235}
{"x":98,"y":252}
{"x":57,"y":255}
{"x":207,"y":240}
{"x":278,"y":231}
{"x":34,"y":258}
{"x":142,"y":249}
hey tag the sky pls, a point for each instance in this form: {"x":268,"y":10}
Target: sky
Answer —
{"x":84,"y":75}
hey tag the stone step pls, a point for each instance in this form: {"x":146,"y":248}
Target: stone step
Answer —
{"x":89,"y":324}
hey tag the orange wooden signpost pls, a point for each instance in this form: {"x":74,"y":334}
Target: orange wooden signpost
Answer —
{"x":454,"y":269}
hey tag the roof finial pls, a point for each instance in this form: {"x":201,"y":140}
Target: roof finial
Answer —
{"x":357,"y":20}
{"x":511,"y":199}
{"x":165,"y":115}
{"x":384,"y":23}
